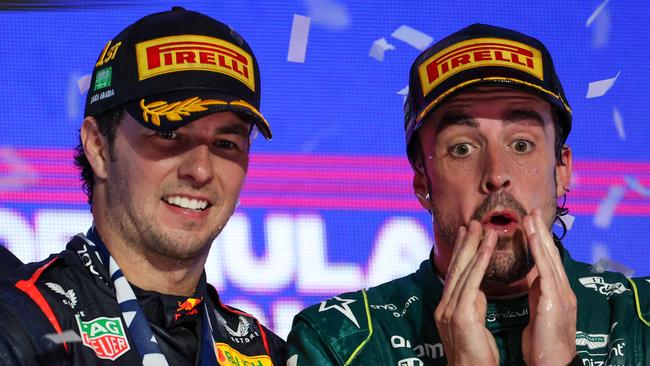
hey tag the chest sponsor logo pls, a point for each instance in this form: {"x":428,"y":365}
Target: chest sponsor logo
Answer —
{"x":105,"y":336}
{"x":508,"y":314}
{"x":432,"y":351}
{"x":228,"y":356}
{"x":70,"y":296}
{"x":479,"y":52}
{"x":187,"y":307}
{"x":409,"y":362}
{"x":194,"y":53}
{"x":591,"y":341}
{"x":599,"y":285}
{"x":84,"y":254}
{"x":245,"y":333}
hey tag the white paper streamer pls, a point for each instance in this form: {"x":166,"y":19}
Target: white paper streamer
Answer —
{"x":413,"y":37}
{"x":299,"y":38}
{"x":379,"y":47}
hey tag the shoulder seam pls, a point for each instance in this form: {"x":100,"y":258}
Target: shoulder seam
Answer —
{"x":29,"y":288}
{"x":637,"y":302}
{"x":362,"y":345}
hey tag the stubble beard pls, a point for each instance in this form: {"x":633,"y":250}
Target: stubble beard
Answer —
{"x":139,"y":229}
{"x":511,"y":259}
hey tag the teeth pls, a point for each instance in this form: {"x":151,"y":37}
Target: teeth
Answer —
{"x":185,"y":202}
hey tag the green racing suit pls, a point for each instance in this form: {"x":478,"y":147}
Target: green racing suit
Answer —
{"x":392,"y":324}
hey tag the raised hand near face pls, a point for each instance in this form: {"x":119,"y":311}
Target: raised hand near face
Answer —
{"x":549,"y":338}
{"x":460,"y":315}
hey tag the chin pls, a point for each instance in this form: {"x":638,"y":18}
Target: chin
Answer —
{"x":507,"y":267}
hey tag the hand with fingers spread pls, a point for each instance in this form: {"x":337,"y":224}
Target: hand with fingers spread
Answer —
{"x":460,"y":315}
{"x":549,"y":338}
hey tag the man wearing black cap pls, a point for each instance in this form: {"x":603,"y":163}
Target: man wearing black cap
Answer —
{"x":486,"y":123}
{"x":163,"y":156}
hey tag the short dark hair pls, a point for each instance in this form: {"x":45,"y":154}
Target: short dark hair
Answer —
{"x":107,"y":122}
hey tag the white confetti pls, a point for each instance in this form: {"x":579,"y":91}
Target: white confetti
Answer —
{"x":636,"y":186}
{"x":605,"y":213}
{"x":605,"y":263}
{"x":600,"y":87}
{"x":618,"y":122}
{"x":83,"y":83}
{"x":68,"y":336}
{"x":568,"y":221}
{"x":328,"y":13}
{"x":404,"y":92}
{"x":599,"y":250}
{"x":379,"y":47}
{"x":299,"y":37}
{"x":596,"y":12}
{"x":600,"y":30}
{"x":600,"y":266}
{"x":413,"y":37}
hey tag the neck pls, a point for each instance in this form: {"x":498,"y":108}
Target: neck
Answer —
{"x":151,"y":271}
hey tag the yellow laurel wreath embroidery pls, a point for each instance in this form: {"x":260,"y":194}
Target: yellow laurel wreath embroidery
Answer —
{"x":175,"y":111}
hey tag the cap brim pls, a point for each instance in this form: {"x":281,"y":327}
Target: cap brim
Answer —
{"x":170,"y":111}
{"x":498,"y":81}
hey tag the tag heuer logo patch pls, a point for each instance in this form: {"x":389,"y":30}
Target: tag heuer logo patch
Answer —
{"x":105,"y":336}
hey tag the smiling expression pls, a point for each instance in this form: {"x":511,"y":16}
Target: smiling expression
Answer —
{"x":171,"y":193}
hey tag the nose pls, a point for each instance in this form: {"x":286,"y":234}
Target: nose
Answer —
{"x":197,"y":166}
{"x":496,"y":172}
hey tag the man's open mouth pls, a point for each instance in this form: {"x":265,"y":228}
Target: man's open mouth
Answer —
{"x":502,"y":222}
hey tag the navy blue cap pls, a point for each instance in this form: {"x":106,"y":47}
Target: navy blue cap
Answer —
{"x":171,"y":68}
{"x":480,"y":55}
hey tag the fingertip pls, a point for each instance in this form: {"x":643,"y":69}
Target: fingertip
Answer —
{"x":490,"y":235}
{"x":462,"y":230}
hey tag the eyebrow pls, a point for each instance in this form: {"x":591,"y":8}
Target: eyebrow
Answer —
{"x":236,"y":129}
{"x":518,"y":115}
{"x":454,"y":118}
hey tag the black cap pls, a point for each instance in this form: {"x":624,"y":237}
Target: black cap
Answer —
{"x":171,"y":68}
{"x":480,"y":55}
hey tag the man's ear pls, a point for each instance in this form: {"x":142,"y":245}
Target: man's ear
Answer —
{"x":420,"y":186}
{"x":563,"y":171}
{"x":95,"y":147}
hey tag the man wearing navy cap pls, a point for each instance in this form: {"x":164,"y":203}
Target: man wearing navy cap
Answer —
{"x":163,"y":155}
{"x":486,"y":123}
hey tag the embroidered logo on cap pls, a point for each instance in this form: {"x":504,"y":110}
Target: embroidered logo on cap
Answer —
{"x":103,"y":78}
{"x":194,"y":52}
{"x":479,"y":52}
{"x":105,"y":336}
{"x":175,"y":111}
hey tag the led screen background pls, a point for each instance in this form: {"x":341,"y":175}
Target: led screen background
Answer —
{"x":328,"y":205}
